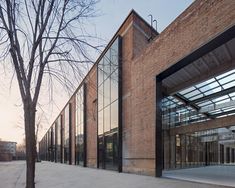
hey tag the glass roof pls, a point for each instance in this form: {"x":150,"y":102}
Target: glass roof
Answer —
{"x":203,"y":101}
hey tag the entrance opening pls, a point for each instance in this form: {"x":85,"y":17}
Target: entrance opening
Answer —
{"x":198,"y":117}
{"x":108,"y":152}
{"x":192,"y":136}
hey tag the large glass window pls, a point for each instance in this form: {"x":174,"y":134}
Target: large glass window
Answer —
{"x":43,"y":148}
{"x":49,"y":144}
{"x":108,"y":78}
{"x":53,"y":142}
{"x":46,"y":147}
{"x":203,"y":148}
{"x":80,"y":127}
{"x":114,"y":85}
{"x":58,"y":139}
{"x":67,"y":134}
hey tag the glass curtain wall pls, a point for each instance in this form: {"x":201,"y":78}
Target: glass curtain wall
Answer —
{"x":67,"y":134}
{"x":46,"y":149}
{"x":53,"y":142}
{"x":42,"y":148}
{"x":195,"y":149}
{"x":49,"y":144}
{"x":204,"y":148}
{"x":80,"y":127}
{"x":58,"y":139}
{"x":108,"y":78}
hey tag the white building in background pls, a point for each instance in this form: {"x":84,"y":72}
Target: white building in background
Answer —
{"x":7,"y":150}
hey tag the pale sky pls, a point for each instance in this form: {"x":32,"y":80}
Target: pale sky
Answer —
{"x":111,"y":15}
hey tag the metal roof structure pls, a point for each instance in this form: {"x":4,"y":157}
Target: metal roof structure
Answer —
{"x":204,"y":99}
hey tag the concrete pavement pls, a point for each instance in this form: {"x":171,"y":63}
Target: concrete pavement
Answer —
{"x":53,"y":175}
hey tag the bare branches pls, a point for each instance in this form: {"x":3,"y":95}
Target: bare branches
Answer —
{"x":44,"y":39}
{"x":9,"y":23}
{"x":40,"y":34}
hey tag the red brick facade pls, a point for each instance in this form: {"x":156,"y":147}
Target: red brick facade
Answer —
{"x":142,"y":60}
{"x":197,"y":25}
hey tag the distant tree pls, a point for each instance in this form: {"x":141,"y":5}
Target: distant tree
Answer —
{"x":38,"y":125}
{"x":43,"y":39}
{"x":39,"y":121}
{"x":21,"y":150}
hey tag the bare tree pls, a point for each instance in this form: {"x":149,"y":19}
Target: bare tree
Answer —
{"x":43,"y":37}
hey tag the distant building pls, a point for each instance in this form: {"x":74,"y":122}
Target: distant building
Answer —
{"x":7,"y":150}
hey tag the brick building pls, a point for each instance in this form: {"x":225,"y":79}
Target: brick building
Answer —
{"x":7,"y":150}
{"x":154,"y":102}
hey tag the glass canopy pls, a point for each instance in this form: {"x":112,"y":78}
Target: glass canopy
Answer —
{"x":213,"y":98}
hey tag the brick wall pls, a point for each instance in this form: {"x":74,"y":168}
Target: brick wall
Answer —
{"x":142,"y":60}
{"x":135,"y":34}
{"x":138,"y":155}
{"x":6,"y":157}
{"x":202,"y":21}
{"x":91,"y":111}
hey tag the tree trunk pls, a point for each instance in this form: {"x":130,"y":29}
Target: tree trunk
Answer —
{"x":29,"y":118}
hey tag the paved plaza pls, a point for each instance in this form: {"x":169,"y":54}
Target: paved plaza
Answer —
{"x":53,"y":175}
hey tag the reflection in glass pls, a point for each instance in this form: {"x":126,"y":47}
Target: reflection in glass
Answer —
{"x":100,"y":97}
{"x":66,"y":134}
{"x":100,"y":123}
{"x":114,"y":86}
{"x":107,"y":119}
{"x":111,"y":154}
{"x":53,"y":142}
{"x":204,"y":148}
{"x":49,"y":144}
{"x":106,"y":92}
{"x":80,"y":126}
{"x":101,"y":152}
{"x":46,"y":148}
{"x":58,"y":139}
{"x":106,"y":62}
{"x":114,"y":56}
{"x":108,"y":108}
{"x":114,"y":115}
{"x":100,"y":72}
